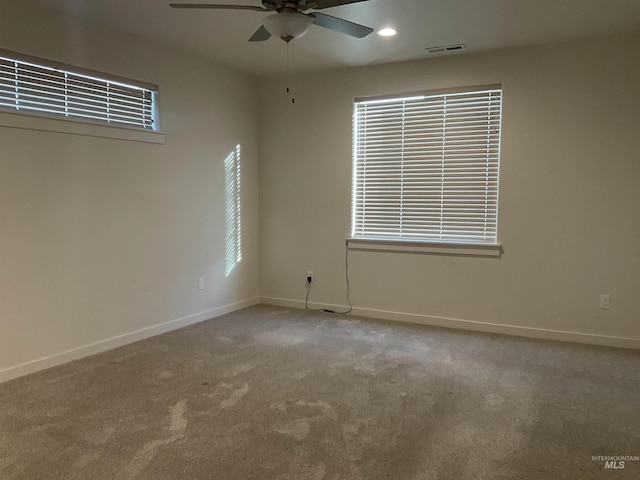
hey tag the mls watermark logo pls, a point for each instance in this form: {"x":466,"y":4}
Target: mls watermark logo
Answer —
{"x":615,"y":462}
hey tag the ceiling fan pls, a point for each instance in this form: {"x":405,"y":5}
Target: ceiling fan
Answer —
{"x":288,"y":19}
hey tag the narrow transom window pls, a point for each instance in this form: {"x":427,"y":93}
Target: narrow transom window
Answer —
{"x":426,"y":166}
{"x":42,"y":87}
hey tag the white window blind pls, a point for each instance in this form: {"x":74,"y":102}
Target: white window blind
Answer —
{"x":426,"y":167}
{"x":38,"y":86}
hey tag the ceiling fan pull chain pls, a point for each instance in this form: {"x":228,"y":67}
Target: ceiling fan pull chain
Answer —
{"x":293,"y":65}
{"x":290,"y":69}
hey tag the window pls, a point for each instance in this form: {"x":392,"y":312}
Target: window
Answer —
{"x":31,"y":85}
{"x":426,"y":167}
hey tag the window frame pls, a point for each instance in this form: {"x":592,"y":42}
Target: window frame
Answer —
{"x":444,"y":246}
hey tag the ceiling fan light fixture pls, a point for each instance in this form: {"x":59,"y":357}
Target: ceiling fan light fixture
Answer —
{"x":287,"y":26}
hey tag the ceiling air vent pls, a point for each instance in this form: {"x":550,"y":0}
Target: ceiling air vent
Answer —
{"x":445,"y":48}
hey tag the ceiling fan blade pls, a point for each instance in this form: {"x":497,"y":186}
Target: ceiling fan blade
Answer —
{"x":217,"y":6}
{"x":261,"y":35}
{"x":320,"y":4}
{"x":340,"y":25}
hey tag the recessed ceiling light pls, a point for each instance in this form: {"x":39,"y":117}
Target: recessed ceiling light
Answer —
{"x":387,"y":32}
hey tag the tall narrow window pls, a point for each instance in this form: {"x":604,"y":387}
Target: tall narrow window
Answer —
{"x":426,"y":167}
{"x":36,"y":86}
{"x":233,"y":218}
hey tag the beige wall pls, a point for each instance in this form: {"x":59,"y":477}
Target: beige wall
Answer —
{"x":569,"y":193}
{"x":100,"y":237}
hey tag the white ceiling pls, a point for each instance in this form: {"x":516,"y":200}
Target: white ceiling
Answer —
{"x":221,"y":35}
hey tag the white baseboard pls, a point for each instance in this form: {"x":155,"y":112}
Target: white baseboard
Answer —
{"x":114,"y":342}
{"x":529,"y":332}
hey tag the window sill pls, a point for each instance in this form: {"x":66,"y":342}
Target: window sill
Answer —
{"x":62,"y":125}
{"x":436,"y":248}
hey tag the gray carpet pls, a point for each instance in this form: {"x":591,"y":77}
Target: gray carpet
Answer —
{"x":269,"y":393}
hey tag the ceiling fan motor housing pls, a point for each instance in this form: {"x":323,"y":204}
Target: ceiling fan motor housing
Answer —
{"x":270,"y":4}
{"x":282,"y":5}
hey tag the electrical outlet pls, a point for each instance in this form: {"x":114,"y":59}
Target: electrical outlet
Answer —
{"x":605,"y":301}
{"x":201,"y":283}
{"x":310,"y":275}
